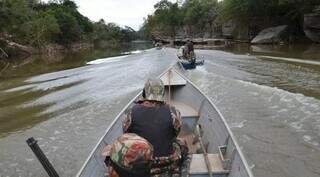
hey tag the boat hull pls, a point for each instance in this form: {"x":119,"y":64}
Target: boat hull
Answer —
{"x":191,"y":65}
{"x":196,"y":109}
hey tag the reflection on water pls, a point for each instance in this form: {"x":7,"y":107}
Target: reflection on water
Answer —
{"x":16,"y":114}
{"x":17,"y":92}
{"x":300,"y":51}
{"x":292,"y":68}
{"x":43,"y":64}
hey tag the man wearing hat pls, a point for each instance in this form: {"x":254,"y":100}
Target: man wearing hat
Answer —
{"x":159,"y":123}
{"x":129,"y":156}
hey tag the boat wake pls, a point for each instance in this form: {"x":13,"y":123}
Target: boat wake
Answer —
{"x":274,"y":126}
{"x":295,"y":110}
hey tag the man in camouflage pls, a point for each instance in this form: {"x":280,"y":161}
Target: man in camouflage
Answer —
{"x":160,"y":124}
{"x":130,"y":156}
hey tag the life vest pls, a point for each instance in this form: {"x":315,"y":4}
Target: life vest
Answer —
{"x":155,"y":124}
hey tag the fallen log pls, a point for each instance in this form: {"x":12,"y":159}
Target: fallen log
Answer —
{"x":3,"y":53}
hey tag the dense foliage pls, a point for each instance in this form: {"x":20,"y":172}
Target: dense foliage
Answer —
{"x":194,"y":15}
{"x":32,"y":22}
{"x":268,"y":12}
{"x":197,"y":16}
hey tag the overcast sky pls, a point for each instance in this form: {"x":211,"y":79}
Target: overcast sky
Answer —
{"x":122,"y":12}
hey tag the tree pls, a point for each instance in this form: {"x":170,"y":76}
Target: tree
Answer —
{"x":42,"y":29}
{"x":268,"y":12}
{"x":13,"y":13}
{"x":128,"y":34}
{"x":167,"y":17}
{"x":34,"y":22}
{"x":170,"y":17}
{"x":69,"y":27}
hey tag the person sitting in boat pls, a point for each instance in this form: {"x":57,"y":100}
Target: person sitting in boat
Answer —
{"x":159,"y":123}
{"x":182,"y":52}
{"x":190,"y":48}
{"x":129,"y":156}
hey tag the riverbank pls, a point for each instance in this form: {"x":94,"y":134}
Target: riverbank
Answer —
{"x":63,"y":59}
{"x":17,"y":53}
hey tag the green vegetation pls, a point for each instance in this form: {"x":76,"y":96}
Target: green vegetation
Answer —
{"x":200,"y":16}
{"x":37,"y":24}
{"x":263,"y":13}
{"x":193,"y":15}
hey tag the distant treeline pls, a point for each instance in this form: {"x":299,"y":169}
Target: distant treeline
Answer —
{"x":197,"y":16}
{"x":35,"y":23}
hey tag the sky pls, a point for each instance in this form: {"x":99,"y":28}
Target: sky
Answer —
{"x":121,"y":12}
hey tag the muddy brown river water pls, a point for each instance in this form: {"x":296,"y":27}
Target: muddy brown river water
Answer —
{"x":270,"y":96}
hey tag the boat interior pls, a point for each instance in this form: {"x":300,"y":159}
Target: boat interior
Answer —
{"x":197,"y":165}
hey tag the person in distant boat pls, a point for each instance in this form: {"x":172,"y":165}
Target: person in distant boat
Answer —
{"x":190,"y":48}
{"x":182,"y":52}
{"x":159,"y":123}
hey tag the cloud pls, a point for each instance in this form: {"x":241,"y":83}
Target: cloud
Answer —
{"x":122,"y":12}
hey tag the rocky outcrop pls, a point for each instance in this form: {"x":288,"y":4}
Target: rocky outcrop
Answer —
{"x":312,"y":26}
{"x":270,"y":35}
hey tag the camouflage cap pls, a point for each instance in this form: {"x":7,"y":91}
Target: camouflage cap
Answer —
{"x":132,"y":153}
{"x":154,"y":90}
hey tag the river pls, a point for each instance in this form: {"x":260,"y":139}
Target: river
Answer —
{"x":269,"y":96}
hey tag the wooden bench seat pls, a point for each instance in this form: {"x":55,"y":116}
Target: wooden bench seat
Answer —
{"x":198,"y":166}
{"x":185,"y":110}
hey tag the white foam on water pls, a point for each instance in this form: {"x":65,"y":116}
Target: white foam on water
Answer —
{"x":52,"y":138}
{"x":254,"y":93}
{"x":245,"y":138}
{"x":137,"y":51}
{"x":296,"y":110}
{"x":126,"y":53}
{"x":238,"y":124}
{"x":106,"y":60}
{"x":309,"y":139}
{"x":252,"y":166}
{"x":13,"y":164}
{"x":29,"y":159}
{"x":133,"y":52}
{"x":54,"y":148}
{"x":298,"y":126}
{"x":21,"y":88}
{"x":296,"y":60}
